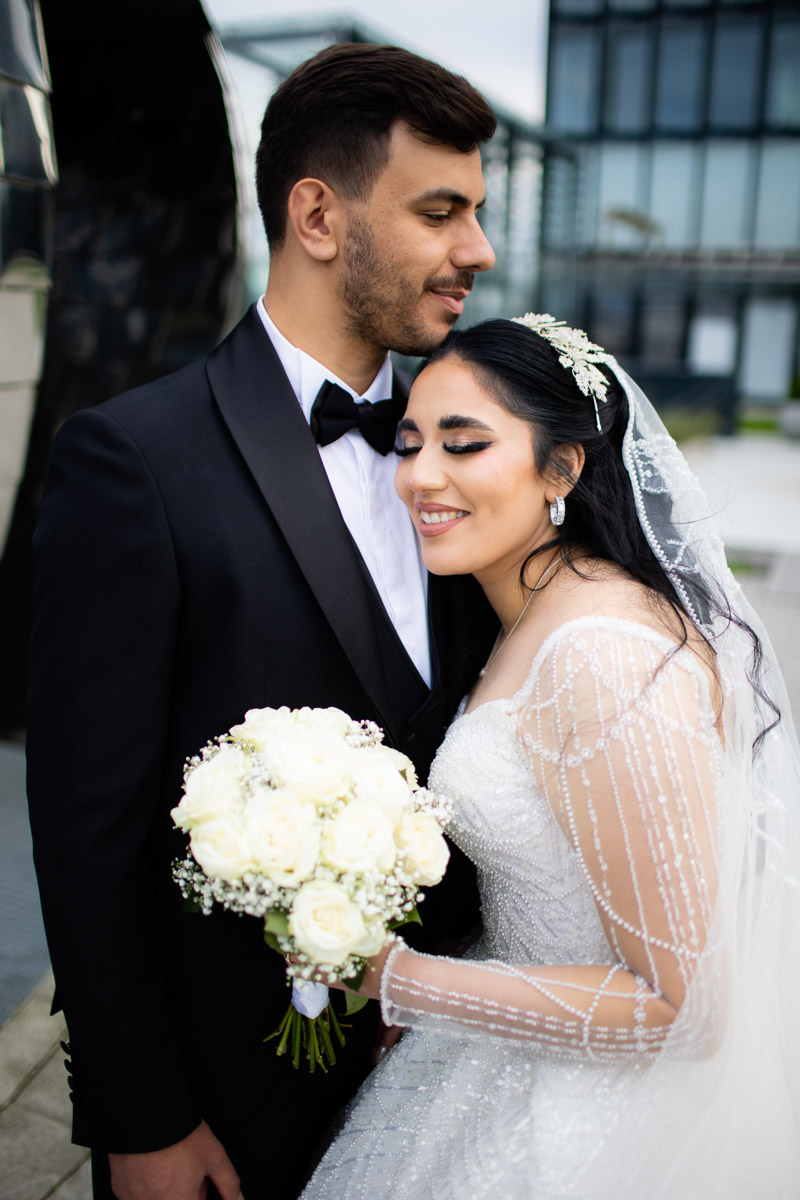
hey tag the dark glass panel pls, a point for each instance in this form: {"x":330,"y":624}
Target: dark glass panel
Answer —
{"x":24,"y":225}
{"x":735,"y":77}
{"x":628,"y":74}
{"x":25,"y":133}
{"x":578,"y":6}
{"x":663,"y":322}
{"x":20,"y":52}
{"x":679,"y":88}
{"x":631,"y":5}
{"x":612,"y":324}
{"x":783,"y":75}
{"x":574,"y":82}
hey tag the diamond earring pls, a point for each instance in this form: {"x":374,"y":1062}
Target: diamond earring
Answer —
{"x":557,"y":510}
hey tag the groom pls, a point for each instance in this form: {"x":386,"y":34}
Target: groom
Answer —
{"x":228,"y":538}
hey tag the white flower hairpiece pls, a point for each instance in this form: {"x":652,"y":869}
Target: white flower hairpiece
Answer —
{"x":576,"y":352}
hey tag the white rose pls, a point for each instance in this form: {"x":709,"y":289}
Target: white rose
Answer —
{"x":325,"y":923}
{"x":420,"y":840}
{"x":378,"y":779}
{"x":314,"y":765}
{"x":221,"y":847}
{"x":262,"y":725}
{"x":283,"y":832}
{"x":326,"y":720}
{"x":359,"y":838}
{"x":213,"y":787}
{"x":400,"y":762}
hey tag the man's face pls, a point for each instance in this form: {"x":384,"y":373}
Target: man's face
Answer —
{"x":412,"y":249}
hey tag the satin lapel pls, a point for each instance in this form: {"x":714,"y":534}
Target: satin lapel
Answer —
{"x":263,"y":415}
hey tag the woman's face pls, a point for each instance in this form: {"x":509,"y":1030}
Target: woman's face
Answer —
{"x":468,"y":477}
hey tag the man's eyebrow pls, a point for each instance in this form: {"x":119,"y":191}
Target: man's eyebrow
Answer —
{"x":447,"y":195}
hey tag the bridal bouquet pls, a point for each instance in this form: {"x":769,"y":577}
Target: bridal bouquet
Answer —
{"x":304,"y":819}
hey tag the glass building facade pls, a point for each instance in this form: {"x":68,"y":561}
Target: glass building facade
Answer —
{"x":686,"y":118}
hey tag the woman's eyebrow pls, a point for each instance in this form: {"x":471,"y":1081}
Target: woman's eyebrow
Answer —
{"x":458,"y":422}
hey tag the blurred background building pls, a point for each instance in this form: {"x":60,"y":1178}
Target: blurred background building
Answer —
{"x":685,"y":115}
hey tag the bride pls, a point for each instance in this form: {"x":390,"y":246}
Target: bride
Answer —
{"x":625,"y":777}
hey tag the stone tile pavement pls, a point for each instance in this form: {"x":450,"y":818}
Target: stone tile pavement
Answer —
{"x":756,"y":480}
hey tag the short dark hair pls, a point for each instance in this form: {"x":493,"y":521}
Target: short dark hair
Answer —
{"x":332,"y":119}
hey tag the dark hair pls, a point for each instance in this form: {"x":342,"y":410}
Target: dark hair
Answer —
{"x":332,"y":119}
{"x":523,"y":373}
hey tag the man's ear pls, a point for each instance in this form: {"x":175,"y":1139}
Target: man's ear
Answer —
{"x":315,"y":215}
{"x":564,"y":470}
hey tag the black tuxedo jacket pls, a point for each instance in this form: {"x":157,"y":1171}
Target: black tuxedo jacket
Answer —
{"x":191,"y":563}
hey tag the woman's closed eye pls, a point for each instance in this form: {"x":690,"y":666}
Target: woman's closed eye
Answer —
{"x":403,"y":451}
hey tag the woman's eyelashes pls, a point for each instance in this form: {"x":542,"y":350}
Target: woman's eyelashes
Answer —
{"x":451,"y":447}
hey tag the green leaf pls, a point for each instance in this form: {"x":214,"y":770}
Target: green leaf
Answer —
{"x":354,"y":1003}
{"x":190,"y":905}
{"x":412,"y":918}
{"x":354,"y":982}
{"x":277,"y":922}
{"x":272,"y":941}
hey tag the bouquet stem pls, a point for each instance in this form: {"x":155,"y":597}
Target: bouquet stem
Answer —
{"x":310,"y":1036}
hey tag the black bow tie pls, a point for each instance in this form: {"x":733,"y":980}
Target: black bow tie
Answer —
{"x":335,"y":412}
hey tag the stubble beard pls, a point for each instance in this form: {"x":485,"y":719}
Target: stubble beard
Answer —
{"x":382,"y":305}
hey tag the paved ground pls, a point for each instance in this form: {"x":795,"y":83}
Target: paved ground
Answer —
{"x":756,"y":479}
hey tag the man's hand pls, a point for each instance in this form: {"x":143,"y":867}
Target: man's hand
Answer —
{"x":178,"y":1172}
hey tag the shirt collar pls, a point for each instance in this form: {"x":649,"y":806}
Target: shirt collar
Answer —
{"x":307,"y":376}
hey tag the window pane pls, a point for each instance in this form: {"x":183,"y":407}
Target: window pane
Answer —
{"x":662,"y":331}
{"x":623,"y":221}
{"x":20,"y":53}
{"x":575,"y":68}
{"x":735,"y":75}
{"x":628,"y":76}
{"x":578,"y":6}
{"x":612,"y":320}
{"x":631,"y":5}
{"x":679,"y":91}
{"x":25,"y":134}
{"x":726,"y":191}
{"x":783,"y":76}
{"x":674,"y":192}
{"x":778,"y":207}
{"x":770,"y":328}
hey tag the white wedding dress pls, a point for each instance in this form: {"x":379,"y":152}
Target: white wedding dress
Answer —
{"x":516,"y":1082}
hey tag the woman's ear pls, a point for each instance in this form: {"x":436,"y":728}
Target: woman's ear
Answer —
{"x":313,"y":214}
{"x":564,"y":470}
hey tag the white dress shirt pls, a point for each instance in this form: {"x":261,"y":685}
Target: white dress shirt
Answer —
{"x":363,"y":484}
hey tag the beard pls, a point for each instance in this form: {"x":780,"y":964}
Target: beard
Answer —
{"x":382,"y":306}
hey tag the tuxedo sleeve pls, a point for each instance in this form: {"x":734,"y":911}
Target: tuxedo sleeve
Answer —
{"x":105,"y":609}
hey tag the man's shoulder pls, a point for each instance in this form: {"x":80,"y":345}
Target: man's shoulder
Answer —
{"x":164,"y":400}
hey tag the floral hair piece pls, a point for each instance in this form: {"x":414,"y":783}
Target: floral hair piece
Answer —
{"x":576,"y":352}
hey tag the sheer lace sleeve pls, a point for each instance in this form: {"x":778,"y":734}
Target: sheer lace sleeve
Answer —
{"x":618,"y":730}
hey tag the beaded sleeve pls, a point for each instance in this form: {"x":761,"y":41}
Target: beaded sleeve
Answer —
{"x":619,"y":733}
